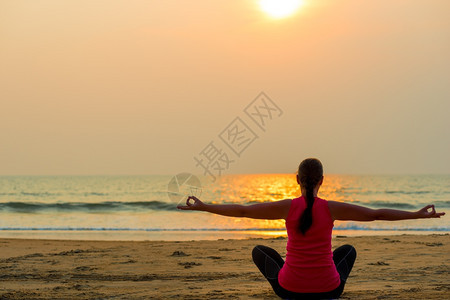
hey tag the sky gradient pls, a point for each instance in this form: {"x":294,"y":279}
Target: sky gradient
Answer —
{"x":141,"y":87}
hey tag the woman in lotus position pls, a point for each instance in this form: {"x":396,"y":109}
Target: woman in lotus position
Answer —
{"x":311,"y":269}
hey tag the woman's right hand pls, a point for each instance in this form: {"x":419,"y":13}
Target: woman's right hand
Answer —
{"x":197,"y":204}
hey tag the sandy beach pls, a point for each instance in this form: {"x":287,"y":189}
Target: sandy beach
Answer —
{"x":387,"y":267}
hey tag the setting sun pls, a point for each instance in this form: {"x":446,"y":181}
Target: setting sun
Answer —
{"x":280,"y":8}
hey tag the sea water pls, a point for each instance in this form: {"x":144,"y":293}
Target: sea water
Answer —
{"x":139,"y":207}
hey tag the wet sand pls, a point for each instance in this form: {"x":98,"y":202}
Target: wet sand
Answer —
{"x":387,"y":267}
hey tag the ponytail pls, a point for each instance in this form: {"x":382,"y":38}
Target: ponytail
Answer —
{"x":306,"y":218}
{"x":310,"y":173}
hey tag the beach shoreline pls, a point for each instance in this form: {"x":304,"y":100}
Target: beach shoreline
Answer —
{"x":390,"y":266}
{"x":186,"y":235}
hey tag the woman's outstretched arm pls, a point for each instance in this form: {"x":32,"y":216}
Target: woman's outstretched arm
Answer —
{"x":268,"y":210}
{"x":350,"y":212}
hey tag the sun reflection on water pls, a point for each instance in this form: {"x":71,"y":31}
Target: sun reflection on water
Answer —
{"x":255,"y":188}
{"x":258,"y":188}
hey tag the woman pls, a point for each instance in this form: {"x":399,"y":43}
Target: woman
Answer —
{"x":311,"y":269}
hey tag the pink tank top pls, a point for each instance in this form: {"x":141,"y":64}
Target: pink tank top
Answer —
{"x":309,"y":266}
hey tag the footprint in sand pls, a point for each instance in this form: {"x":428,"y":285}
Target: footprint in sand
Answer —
{"x":188,"y":265}
{"x":179,"y":254}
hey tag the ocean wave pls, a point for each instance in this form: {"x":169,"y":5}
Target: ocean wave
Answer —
{"x":44,"y":194}
{"x":47,"y":194}
{"x":343,"y":227}
{"x":442,"y":203}
{"x":108,"y":206}
{"x":121,"y":206}
{"x":407,"y":192}
{"x":386,"y":204}
{"x":388,"y":193}
{"x":389,"y":228}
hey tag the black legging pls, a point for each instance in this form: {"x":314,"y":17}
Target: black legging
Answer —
{"x":269,"y":262}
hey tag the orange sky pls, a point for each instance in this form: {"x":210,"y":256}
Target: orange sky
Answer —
{"x":141,"y":87}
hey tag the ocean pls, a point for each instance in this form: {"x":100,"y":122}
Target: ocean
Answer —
{"x":144,"y":207}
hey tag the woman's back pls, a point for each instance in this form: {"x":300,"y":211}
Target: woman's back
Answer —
{"x":309,"y":266}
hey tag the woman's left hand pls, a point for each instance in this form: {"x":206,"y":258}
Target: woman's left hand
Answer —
{"x":426,"y":213}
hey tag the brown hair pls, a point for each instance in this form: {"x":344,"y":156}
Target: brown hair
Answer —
{"x":310,"y":173}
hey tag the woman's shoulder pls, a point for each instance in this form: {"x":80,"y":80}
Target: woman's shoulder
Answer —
{"x":299,"y":201}
{"x":320,"y":201}
{"x":296,"y":205}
